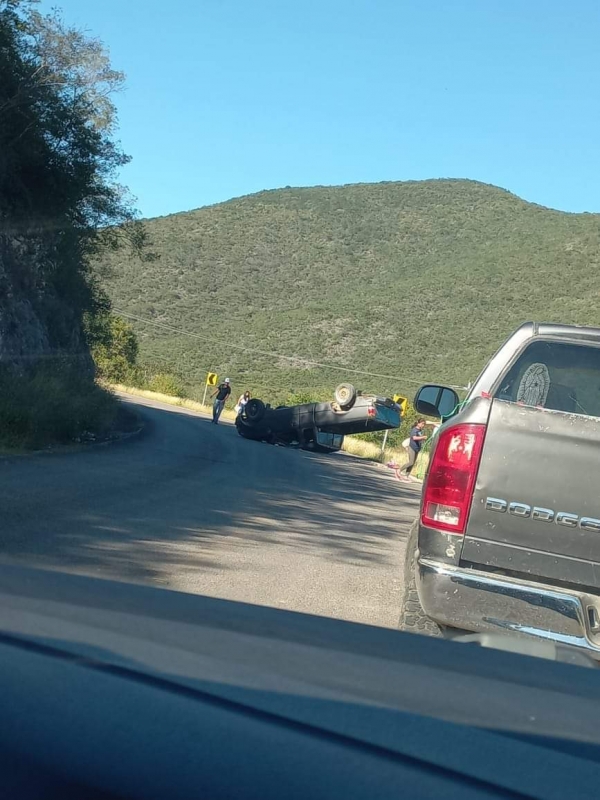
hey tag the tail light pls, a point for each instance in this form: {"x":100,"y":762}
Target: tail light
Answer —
{"x":451,"y":478}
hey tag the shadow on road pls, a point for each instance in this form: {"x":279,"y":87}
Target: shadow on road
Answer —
{"x":192,"y":497}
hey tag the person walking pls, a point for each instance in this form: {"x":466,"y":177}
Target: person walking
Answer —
{"x":415,"y":443}
{"x":241,"y":403}
{"x":222,"y":393}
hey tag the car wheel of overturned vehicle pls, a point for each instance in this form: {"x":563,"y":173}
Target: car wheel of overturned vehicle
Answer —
{"x":255,"y":410}
{"x":345,"y":395}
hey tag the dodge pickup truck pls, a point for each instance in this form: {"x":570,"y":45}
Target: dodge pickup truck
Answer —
{"x":508,"y":536}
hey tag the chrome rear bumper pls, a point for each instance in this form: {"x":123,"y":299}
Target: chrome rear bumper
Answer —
{"x":477,"y":601}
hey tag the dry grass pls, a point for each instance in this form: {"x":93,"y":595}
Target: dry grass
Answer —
{"x":372,"y":451}
{"x":181,"y":402}
{"x":358,"y":447}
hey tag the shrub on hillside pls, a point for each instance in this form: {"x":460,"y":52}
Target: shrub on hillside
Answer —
{"x":53,"y":404}
{"x":114,"y":347}
{"x":165,"y":383}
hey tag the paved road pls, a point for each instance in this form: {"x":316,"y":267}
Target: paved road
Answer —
{"x":191,"y":506}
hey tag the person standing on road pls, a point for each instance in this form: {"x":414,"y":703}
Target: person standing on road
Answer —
{"x":221,"y":395}
{"x":416,"y":439}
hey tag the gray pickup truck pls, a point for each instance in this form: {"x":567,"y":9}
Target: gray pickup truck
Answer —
{"x":508,"y":536}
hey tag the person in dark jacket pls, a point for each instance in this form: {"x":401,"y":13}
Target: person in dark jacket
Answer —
{"x":416,"y":439}
{"x":221,"y":395}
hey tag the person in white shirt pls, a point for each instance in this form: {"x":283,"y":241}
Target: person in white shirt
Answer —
{"x":241,"y":403}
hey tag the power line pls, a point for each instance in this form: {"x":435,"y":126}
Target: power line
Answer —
{"x":268,"y":353}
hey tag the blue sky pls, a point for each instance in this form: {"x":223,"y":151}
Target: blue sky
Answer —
{"x":228,"y":97}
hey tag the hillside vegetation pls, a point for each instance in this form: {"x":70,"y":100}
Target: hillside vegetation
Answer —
{"x":417,"y":280}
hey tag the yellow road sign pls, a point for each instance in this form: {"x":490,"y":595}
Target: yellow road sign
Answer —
{"x":211,"y":379}
{"x":402,"y":402}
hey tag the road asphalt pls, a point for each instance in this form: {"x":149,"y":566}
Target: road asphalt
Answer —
{"x":191,"y":506}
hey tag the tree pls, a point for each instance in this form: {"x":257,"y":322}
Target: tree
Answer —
{"x":78,"y":67}
{"x":59,"y":193}
{"x":60,"y":205}
{"x":113,"y":345}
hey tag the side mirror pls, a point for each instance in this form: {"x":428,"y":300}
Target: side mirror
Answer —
{"x":436,"y":401}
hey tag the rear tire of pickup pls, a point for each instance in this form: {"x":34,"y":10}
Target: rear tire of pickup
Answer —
{"x":412,"y":617}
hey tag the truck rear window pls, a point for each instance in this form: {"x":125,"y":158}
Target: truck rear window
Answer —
{"x":557,"y":376}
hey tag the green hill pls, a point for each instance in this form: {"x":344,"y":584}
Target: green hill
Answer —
{"x":418,"y":280}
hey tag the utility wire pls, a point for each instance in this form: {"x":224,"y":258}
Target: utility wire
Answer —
{"x":300,"y":359}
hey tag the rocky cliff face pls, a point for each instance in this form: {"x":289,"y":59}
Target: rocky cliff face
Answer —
{"x":35,"y":324}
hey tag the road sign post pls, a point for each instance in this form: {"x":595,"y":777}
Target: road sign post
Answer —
{"x":211,"y":380}
{"x":402,"y":402}
{"x":385,"y":435}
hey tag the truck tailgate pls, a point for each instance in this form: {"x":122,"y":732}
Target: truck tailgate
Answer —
{"x":536,"y":506}
{"x":365,"y":416}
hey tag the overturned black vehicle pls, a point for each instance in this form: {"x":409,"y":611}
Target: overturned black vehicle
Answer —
{"x":319,"y":426}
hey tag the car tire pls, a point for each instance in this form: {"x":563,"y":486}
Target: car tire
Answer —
{"x":412,"y":617}
{"x":255,"y":410}
{"x":345,"y":395}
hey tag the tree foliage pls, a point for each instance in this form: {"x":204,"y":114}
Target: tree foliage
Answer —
{"x":114,"y":347}
{"x":78,"y":67}
{"x":52,"y":403}
{"x":58,"y":159}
